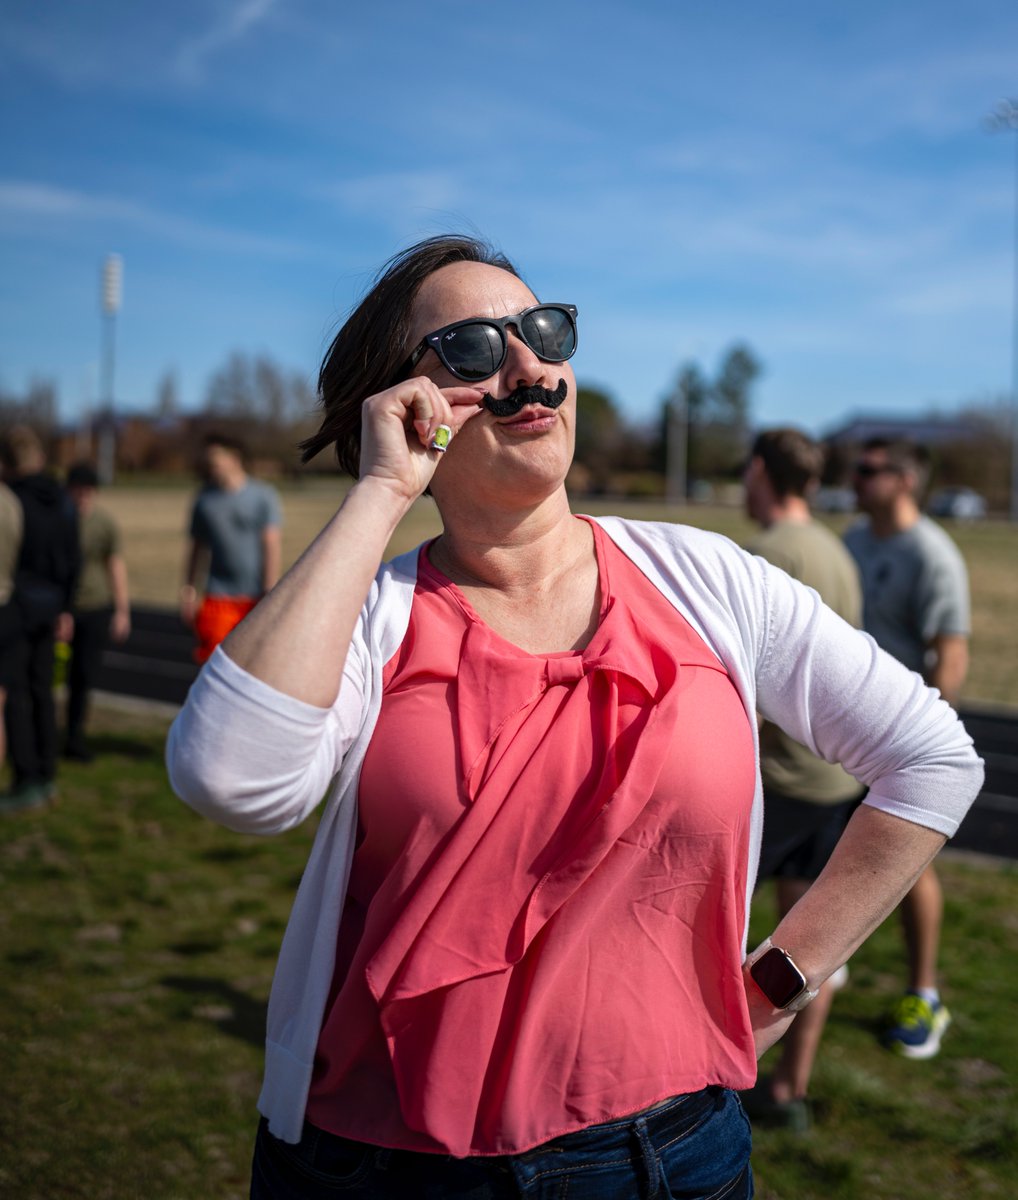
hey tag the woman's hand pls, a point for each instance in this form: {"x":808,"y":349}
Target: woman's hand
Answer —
{"x":397,"y":427}
{"x":318,"y":601}
{"x":120,"y":626}
{"x":188,"y":606}
{"x":769,"y":1023}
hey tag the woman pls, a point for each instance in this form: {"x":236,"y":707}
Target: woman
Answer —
{"x":515,"y":964}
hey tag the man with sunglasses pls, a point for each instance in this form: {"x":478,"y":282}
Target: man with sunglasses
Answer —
{"x":916,"y":606}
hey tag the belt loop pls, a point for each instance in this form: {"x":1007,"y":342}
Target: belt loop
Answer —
{"x":651,"y":1166}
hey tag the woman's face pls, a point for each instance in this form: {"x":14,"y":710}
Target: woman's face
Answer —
{"x":492,"y":459}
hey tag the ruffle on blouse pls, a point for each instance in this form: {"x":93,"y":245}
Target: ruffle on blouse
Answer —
{"x":499,"y":877}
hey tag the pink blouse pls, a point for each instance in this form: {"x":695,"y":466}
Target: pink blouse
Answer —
{"x":544,"y":919}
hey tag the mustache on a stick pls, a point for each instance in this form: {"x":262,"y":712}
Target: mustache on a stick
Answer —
{"x":519,"y":398}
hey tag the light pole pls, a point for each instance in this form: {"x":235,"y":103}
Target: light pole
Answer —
{"x":676,"y":447}
{"x":112,"y":285}
{"x":1005,"y":118}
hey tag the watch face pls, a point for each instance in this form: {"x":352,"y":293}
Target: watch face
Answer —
{"x":778,"y":977}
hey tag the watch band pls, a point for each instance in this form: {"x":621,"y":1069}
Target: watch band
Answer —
{"x":781,"y":993}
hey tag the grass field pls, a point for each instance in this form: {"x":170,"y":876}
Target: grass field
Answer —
{"x":137,"y":943}
{"x":154,"y":520}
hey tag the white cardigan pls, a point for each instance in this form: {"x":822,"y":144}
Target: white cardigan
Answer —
{"x":259,"y":761}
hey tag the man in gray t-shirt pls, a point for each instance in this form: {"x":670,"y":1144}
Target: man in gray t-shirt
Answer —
{"x":231,"y":524}
{"x":235,"y":533}
{"x":916,"y":607}
{"x":916,"y":594}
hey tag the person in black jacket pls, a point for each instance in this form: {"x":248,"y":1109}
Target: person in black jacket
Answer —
{"x":44,"y":580}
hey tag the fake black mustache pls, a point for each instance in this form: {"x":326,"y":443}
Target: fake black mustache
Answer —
{"x":520,"y":397}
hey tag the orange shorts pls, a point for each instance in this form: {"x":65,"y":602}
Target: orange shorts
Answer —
{"x":216,"y":617}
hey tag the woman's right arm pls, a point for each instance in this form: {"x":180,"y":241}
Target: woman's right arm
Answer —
{"x":297,"y":639}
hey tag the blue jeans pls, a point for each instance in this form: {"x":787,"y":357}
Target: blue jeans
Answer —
{"x":693,"y":1147}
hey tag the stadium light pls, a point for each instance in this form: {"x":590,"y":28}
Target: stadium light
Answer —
{"x":112,"y":294}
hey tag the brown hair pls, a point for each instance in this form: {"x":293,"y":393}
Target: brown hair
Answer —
{"x":21,"y":449}
{"x":226,"y":441}
{"x":369,"y":349}
{"x":793,"y":461}
{"x":82,"y":475}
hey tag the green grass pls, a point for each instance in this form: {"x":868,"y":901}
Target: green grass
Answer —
{"x":893,"y":1129}
{"x":137,"y":943}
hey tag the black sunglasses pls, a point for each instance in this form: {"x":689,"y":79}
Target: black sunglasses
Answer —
{"x":476,"y":348}
{"x":870,"y":470}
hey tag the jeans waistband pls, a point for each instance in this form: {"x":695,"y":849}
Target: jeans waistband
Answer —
{"x":660,"y":1124}
{"x":699,"y":1141}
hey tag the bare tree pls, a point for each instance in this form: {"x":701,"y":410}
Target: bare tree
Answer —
{"x":167,"y":397}
{"x":273,"y":405}
{"x":37,"y":407}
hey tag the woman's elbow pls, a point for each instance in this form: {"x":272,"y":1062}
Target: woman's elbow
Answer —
{"x":215,"y":789}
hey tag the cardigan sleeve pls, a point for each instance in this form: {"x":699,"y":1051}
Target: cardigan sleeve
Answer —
{"x":253,"y":758}
{"x":832,"y":688}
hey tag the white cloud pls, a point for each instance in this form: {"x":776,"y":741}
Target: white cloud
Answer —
{"x":34,"y":202}
{"x":39,"y":199}
{"x":931,"y":94}
{"x":401,"y":197}
{"x":979,"y":289}
{"x":236,"y":22}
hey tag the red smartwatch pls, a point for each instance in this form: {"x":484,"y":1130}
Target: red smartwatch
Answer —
{"x":774,"y":972}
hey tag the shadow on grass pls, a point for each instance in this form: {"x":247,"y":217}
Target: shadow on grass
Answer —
{"x":223,"y":1005}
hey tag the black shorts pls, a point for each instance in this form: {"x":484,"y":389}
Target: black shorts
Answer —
{"x":799,"y":836}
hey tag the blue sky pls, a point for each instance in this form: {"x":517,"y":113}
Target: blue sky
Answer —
{"x":813,"y":179}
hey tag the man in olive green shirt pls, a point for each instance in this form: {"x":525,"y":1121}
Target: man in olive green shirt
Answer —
{"x":101,"y":606}
{"x":807,"y":801}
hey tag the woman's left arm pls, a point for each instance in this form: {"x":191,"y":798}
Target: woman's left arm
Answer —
{"x":873,"y":866}
{"x":833,"y":689}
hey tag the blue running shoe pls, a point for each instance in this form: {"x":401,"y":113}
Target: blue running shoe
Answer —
{"x":916,"y":1026}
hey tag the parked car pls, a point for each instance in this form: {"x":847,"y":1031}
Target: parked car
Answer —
{"x":959,"y":503}
{"x":834,"y":500}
